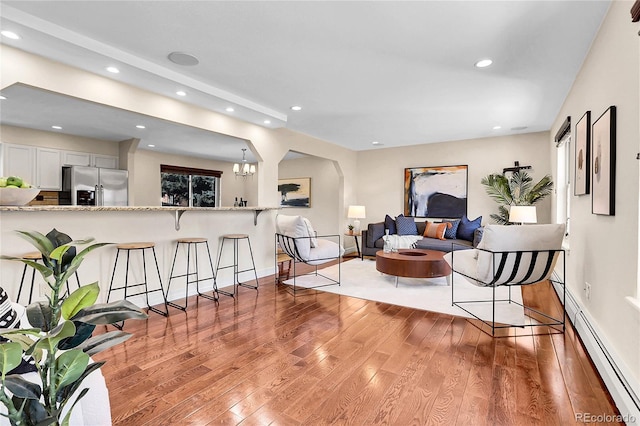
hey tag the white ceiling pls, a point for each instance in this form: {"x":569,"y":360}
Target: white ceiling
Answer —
{"x":400,"y":73}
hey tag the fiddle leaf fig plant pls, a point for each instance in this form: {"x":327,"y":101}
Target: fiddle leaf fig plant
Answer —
{"x":515,"y":190}
{"x":60,"y":338}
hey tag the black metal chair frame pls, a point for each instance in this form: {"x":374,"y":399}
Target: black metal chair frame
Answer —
{"x":235,"y":265}
{"x":33,"y":280}
{"x":188,"y":275}
{"x":497,"y":273}
{"x":288,"y":245}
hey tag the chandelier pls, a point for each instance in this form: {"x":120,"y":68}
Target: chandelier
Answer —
{"x":244,"y":169}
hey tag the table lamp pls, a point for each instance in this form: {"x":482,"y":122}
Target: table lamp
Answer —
{"x":356,"y":212}
{"x":522,"y":214}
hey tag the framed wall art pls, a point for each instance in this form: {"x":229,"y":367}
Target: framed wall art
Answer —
{"x":583,"y":155}
{"x":435,"y":192}
{"x":295,"y":192}
{"x":603,"y":165}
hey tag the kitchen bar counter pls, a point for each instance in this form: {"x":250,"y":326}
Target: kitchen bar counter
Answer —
{"x":174,"y":210}
{"x":156,"y":224}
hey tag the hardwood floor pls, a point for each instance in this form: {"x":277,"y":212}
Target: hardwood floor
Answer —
{"x":268,"y":357}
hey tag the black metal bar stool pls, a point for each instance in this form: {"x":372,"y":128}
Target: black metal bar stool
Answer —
{"x":192,"y":243}
{"x":234,"y":238}
{"x":128,"y":247}
{"x":36,"y":256}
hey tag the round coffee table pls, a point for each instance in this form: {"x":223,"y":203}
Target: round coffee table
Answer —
{"x":412,"y":263}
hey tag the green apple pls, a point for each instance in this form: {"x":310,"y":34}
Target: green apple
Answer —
{"x":25,"y":185}
{"x":3,"y":182}
{"x":14,"y":180}
{"x":12,"y":186}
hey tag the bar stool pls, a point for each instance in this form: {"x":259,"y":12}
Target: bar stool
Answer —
{"x":192,"y":242}
{"x":128,"y":247}
{"x":234,"y":238}
{"x":36,"y":256}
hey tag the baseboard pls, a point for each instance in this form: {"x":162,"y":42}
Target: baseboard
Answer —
{"x":619,"y":382}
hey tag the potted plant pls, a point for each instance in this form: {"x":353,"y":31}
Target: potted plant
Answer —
{"x":60,"y":340}
{"x":350,"y":229}
{"x":516,"y":190}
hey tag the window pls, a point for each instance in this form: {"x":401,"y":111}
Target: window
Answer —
{"x":563,"y":178}
{"x":189,"y":187}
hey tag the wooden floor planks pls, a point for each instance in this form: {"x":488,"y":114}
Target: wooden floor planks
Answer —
{"x":268,"y":357}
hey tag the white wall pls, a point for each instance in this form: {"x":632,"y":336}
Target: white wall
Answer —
{"x":381,"y":171}
{"x":324,"y":212}
{"x":604,"y":249}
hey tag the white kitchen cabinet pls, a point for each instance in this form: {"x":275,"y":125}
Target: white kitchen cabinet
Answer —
{"x":106,"y":161}
{"x":74,"y":158}
{"x":19,"y":160}
{"x":49,"y":170}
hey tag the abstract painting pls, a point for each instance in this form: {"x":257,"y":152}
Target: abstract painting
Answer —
{"x":603,"y":166}
{"x":435,"y":192}
{"x":583,"y":155}
{"x":295,"y":192}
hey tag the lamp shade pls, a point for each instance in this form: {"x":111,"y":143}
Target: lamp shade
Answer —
{"x":356,"y":212}
{"x":522,"y":214}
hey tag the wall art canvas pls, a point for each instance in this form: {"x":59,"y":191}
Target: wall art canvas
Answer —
{"x":435,"y":192}
{"x":583,"y":155}
{"x":295,"y":192}
{"x":603,"y":165}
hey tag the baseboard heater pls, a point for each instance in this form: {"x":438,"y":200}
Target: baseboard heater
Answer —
{"x":613,"y":374}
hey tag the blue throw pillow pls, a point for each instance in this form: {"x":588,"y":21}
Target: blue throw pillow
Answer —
{"x":452,"y":233}
{"x":406,"y":226}
{"x":390,"y":224}
{"x":467,"y":227}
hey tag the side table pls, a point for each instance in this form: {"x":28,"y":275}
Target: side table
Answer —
{"x":355,"y":236}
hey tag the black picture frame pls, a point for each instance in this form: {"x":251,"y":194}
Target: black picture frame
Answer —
{"x":436,"y":192}
{"x":603,"y":164}
{"x":582,"y":182}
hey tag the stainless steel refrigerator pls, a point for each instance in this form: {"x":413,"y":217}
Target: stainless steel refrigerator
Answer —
{"x":94,"y":186}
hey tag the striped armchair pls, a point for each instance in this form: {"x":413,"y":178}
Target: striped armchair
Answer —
{"x":511,"y":256}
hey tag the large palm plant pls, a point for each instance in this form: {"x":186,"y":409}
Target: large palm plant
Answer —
{"x":516,"y":190}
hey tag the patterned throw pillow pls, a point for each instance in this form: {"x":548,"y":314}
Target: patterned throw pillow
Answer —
{"x":406,"y":225}
{"x":9,"y":319}
{"x":467,"y":227}
{"x":436,"y":230}
{"x":452,"y":232}
{"x":390,"y":224}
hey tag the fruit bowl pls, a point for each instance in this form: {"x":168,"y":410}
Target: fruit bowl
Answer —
{"x":17,"y":196}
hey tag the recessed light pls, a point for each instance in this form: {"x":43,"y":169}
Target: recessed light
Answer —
{"x":296,"y":108}
{"x":483,"y":63}
{"x":519,"y":128}
{"x":2,"y":98}
{"x":56,"y":127}
{"x":113,"y":70}
{"x":181,"y":93}
{"x":151,"y":145}
{"x":182,"y":58}
{"x":141,"y":126}
{"x":10,"y":34}
{"x":375,"y":143}
{"x":229,"y":109}
{"x":267,"y":121}
{"x":497,"y":127}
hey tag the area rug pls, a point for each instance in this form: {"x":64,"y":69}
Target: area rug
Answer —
{"x":361,"y":279}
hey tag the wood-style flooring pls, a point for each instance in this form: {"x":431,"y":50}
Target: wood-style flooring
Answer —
{"x":268,"y":357}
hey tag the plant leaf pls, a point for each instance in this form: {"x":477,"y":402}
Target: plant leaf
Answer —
{"x":67,"y":391}
{"x":109,"y":313}
{"x":73,"y":266}
{"x":10,"y":356}
{"x":62,"y":331}
{"x":39,"y":241}
{"x":104,"y":341}
{"x":69,"y":366}
{"x":81,"y":298}
{"x":83,"y":332}
{"x":22,"y":388}
{"x":67,"y":418}
{"x":59,"y":252}
{"x":40,"y":315}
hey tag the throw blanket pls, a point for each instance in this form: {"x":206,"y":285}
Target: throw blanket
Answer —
{"x":403,"y":241}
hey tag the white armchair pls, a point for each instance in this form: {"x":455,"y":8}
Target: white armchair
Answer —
{"x":296,"y":237}
{"x":511,"y":256}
